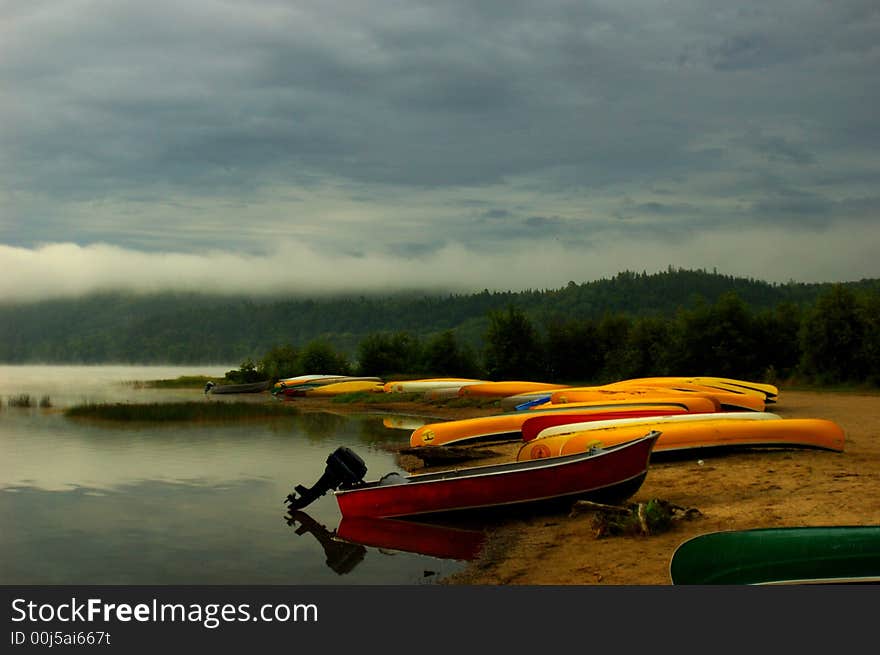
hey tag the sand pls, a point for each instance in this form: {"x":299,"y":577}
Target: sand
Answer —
{"x":754,"y":489}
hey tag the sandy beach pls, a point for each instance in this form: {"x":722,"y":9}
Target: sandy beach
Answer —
{"x":753,"y":489}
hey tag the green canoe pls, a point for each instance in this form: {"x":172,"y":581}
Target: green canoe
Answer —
{"x":827,"y":555}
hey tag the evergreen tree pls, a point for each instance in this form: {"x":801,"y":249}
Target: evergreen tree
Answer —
{"x":832,"y":337}
{"x":384,"y":354}
{"x":513,"y":349}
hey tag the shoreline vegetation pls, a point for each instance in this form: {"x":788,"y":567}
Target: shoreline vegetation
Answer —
{"x":179,"y":411}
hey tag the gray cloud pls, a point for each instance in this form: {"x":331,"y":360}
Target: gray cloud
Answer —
{"x":381,"y":129}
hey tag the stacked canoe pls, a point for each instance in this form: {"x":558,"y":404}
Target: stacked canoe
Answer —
{"x":691,"y":413}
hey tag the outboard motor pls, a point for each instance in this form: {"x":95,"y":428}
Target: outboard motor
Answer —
{"x":345,"y":469}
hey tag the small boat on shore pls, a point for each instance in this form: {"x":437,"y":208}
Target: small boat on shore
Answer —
{"x":606,"y":474}
{"x":250,"y":387}
{"x":795,"y":555}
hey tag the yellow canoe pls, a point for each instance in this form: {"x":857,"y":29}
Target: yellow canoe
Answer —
{"x":506,"y":388}
{"x":508,"y":426}
{"x":788,"y":432}
{"x":351,"y":386}
{"x":726,"y":399}
{"x":691,"y":402}
{"x":427,"y":384}
{"x":654,"y":421}
{"x":768,"y":392}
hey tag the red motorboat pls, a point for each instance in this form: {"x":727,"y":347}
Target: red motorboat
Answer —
{"x":607,"y":474}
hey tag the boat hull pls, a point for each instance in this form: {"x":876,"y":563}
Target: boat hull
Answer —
{"x":503,"y":389}
{"x":690,"y":402}
{"x":545,"y":426}
{"x":508,"y":427}
{"x":611,"y":474}
{"x":682,"y":436}
{"x":250,"y":387}
{"x":798,"y":555}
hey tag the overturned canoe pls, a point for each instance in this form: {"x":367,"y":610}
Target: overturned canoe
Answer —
{"x":690,"y":402}
{"x":249,"y":387}
{"x":428,"y":384}
{"x":727,"y":400}
{"x":305,"y":382}
{"x":608,"y":474}
{"x":505,"y":388}
{"x":508,"y":426}
{"x":735,"y":393}
{"x":548,"y":426}
{"x":349,"y":386}
{"x":795,"y":555}
{"x":682,"y":435}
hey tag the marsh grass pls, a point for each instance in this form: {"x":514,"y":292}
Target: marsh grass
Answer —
{"x":372,"y":397}
{"x":182,"y":382}
{"x":21,"y":400}
{"x":468,"y":402}
{"x":180,"y":411}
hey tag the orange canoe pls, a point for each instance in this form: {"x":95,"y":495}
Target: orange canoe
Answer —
{"x":691,"y":402}
{"x":507,"y":388}
{"x":508,"y":427}
{"x":789,"y":432}
{"x":729,"y":398}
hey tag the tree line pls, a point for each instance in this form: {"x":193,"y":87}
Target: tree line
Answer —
{"x":834,"y":340}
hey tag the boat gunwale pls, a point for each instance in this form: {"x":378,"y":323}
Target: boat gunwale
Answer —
{"x":507,"y":468}
{"x":531,"y":500}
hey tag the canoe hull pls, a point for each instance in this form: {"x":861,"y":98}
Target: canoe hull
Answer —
{"x":799,"y":555}
{"x":251,"y":387}
{"x":611,"y":474}
{"x":508,"y":427}
{"x":726,"y":433}
{"x":506,"y":388}
{"x":541,"y":427}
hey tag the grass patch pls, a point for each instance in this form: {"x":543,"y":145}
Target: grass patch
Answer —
{"x":182,"y":382}
{"x":368,"y":397}
{"x":180,"y":411}
{"x":21,"y":400}
{"x":464,"y":401}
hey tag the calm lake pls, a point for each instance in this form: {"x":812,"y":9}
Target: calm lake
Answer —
{"x":85,"y":502}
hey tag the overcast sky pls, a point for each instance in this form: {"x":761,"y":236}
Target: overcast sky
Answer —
{"x":272,"y":146}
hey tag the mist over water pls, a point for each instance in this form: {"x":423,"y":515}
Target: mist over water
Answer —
{"x":88,"y":502}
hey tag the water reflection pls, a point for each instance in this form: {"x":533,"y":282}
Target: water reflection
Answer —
{"x":341,"y":556}
{"x":344,"y":546}
{"x":87,"y":502}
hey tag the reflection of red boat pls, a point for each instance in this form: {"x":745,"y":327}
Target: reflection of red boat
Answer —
{"x":610,"y":473}
{"x":423,"y":538}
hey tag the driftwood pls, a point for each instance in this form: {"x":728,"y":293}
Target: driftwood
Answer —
{"x":432,"y":455}
{"x":647,"y":518}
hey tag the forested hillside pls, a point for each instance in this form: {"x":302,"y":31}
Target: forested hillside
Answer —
{"x":192,"y":328}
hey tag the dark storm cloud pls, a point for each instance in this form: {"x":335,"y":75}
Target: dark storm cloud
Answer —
{"x":413,"y":129}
